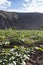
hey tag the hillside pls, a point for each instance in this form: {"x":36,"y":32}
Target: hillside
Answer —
{"x":21,"y":20}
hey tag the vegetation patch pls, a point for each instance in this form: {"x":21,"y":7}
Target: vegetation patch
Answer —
{"x":21,"y":47}
{"x":20,"y":55}
{"x":21,"y":37}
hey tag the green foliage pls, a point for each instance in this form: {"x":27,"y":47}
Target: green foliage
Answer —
{"x":18,"y":55}
{"x":39,"y":49}
{"x":15,"y":56}
{"x":21,"y":36}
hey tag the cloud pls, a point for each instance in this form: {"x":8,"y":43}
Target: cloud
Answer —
{"x":26,"y":0}
{"x":29,"y":6}
{"x":13,"y":10}
{"x":4,"y":4}
{"x":32,"y":6}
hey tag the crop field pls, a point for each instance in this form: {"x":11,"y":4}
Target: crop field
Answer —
{"x":21,"y":47}
{"x":21,"y":36}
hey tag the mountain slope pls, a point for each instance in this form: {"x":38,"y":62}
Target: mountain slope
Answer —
{"x":21,"y":20}
{"x":7,"y":19}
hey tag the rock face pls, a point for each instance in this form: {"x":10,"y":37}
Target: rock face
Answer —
{"x":21,"y":20}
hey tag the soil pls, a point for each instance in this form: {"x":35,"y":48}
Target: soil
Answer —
{"x":36,"y":59}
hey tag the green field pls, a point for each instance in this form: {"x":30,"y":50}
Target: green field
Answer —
{"x":21,"y":36}
{"x":31,"y":42}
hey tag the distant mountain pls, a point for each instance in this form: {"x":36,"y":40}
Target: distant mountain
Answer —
{"x":21,"y":20}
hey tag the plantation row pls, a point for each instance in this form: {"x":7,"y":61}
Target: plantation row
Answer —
{"x":28,"y":49}
{"x":20,"y":37}
{"x":20,"y":55}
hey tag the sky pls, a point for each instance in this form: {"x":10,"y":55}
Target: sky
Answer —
{"x":22,"y":5}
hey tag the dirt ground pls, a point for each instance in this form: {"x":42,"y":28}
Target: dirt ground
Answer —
{"x":36,"y":59}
